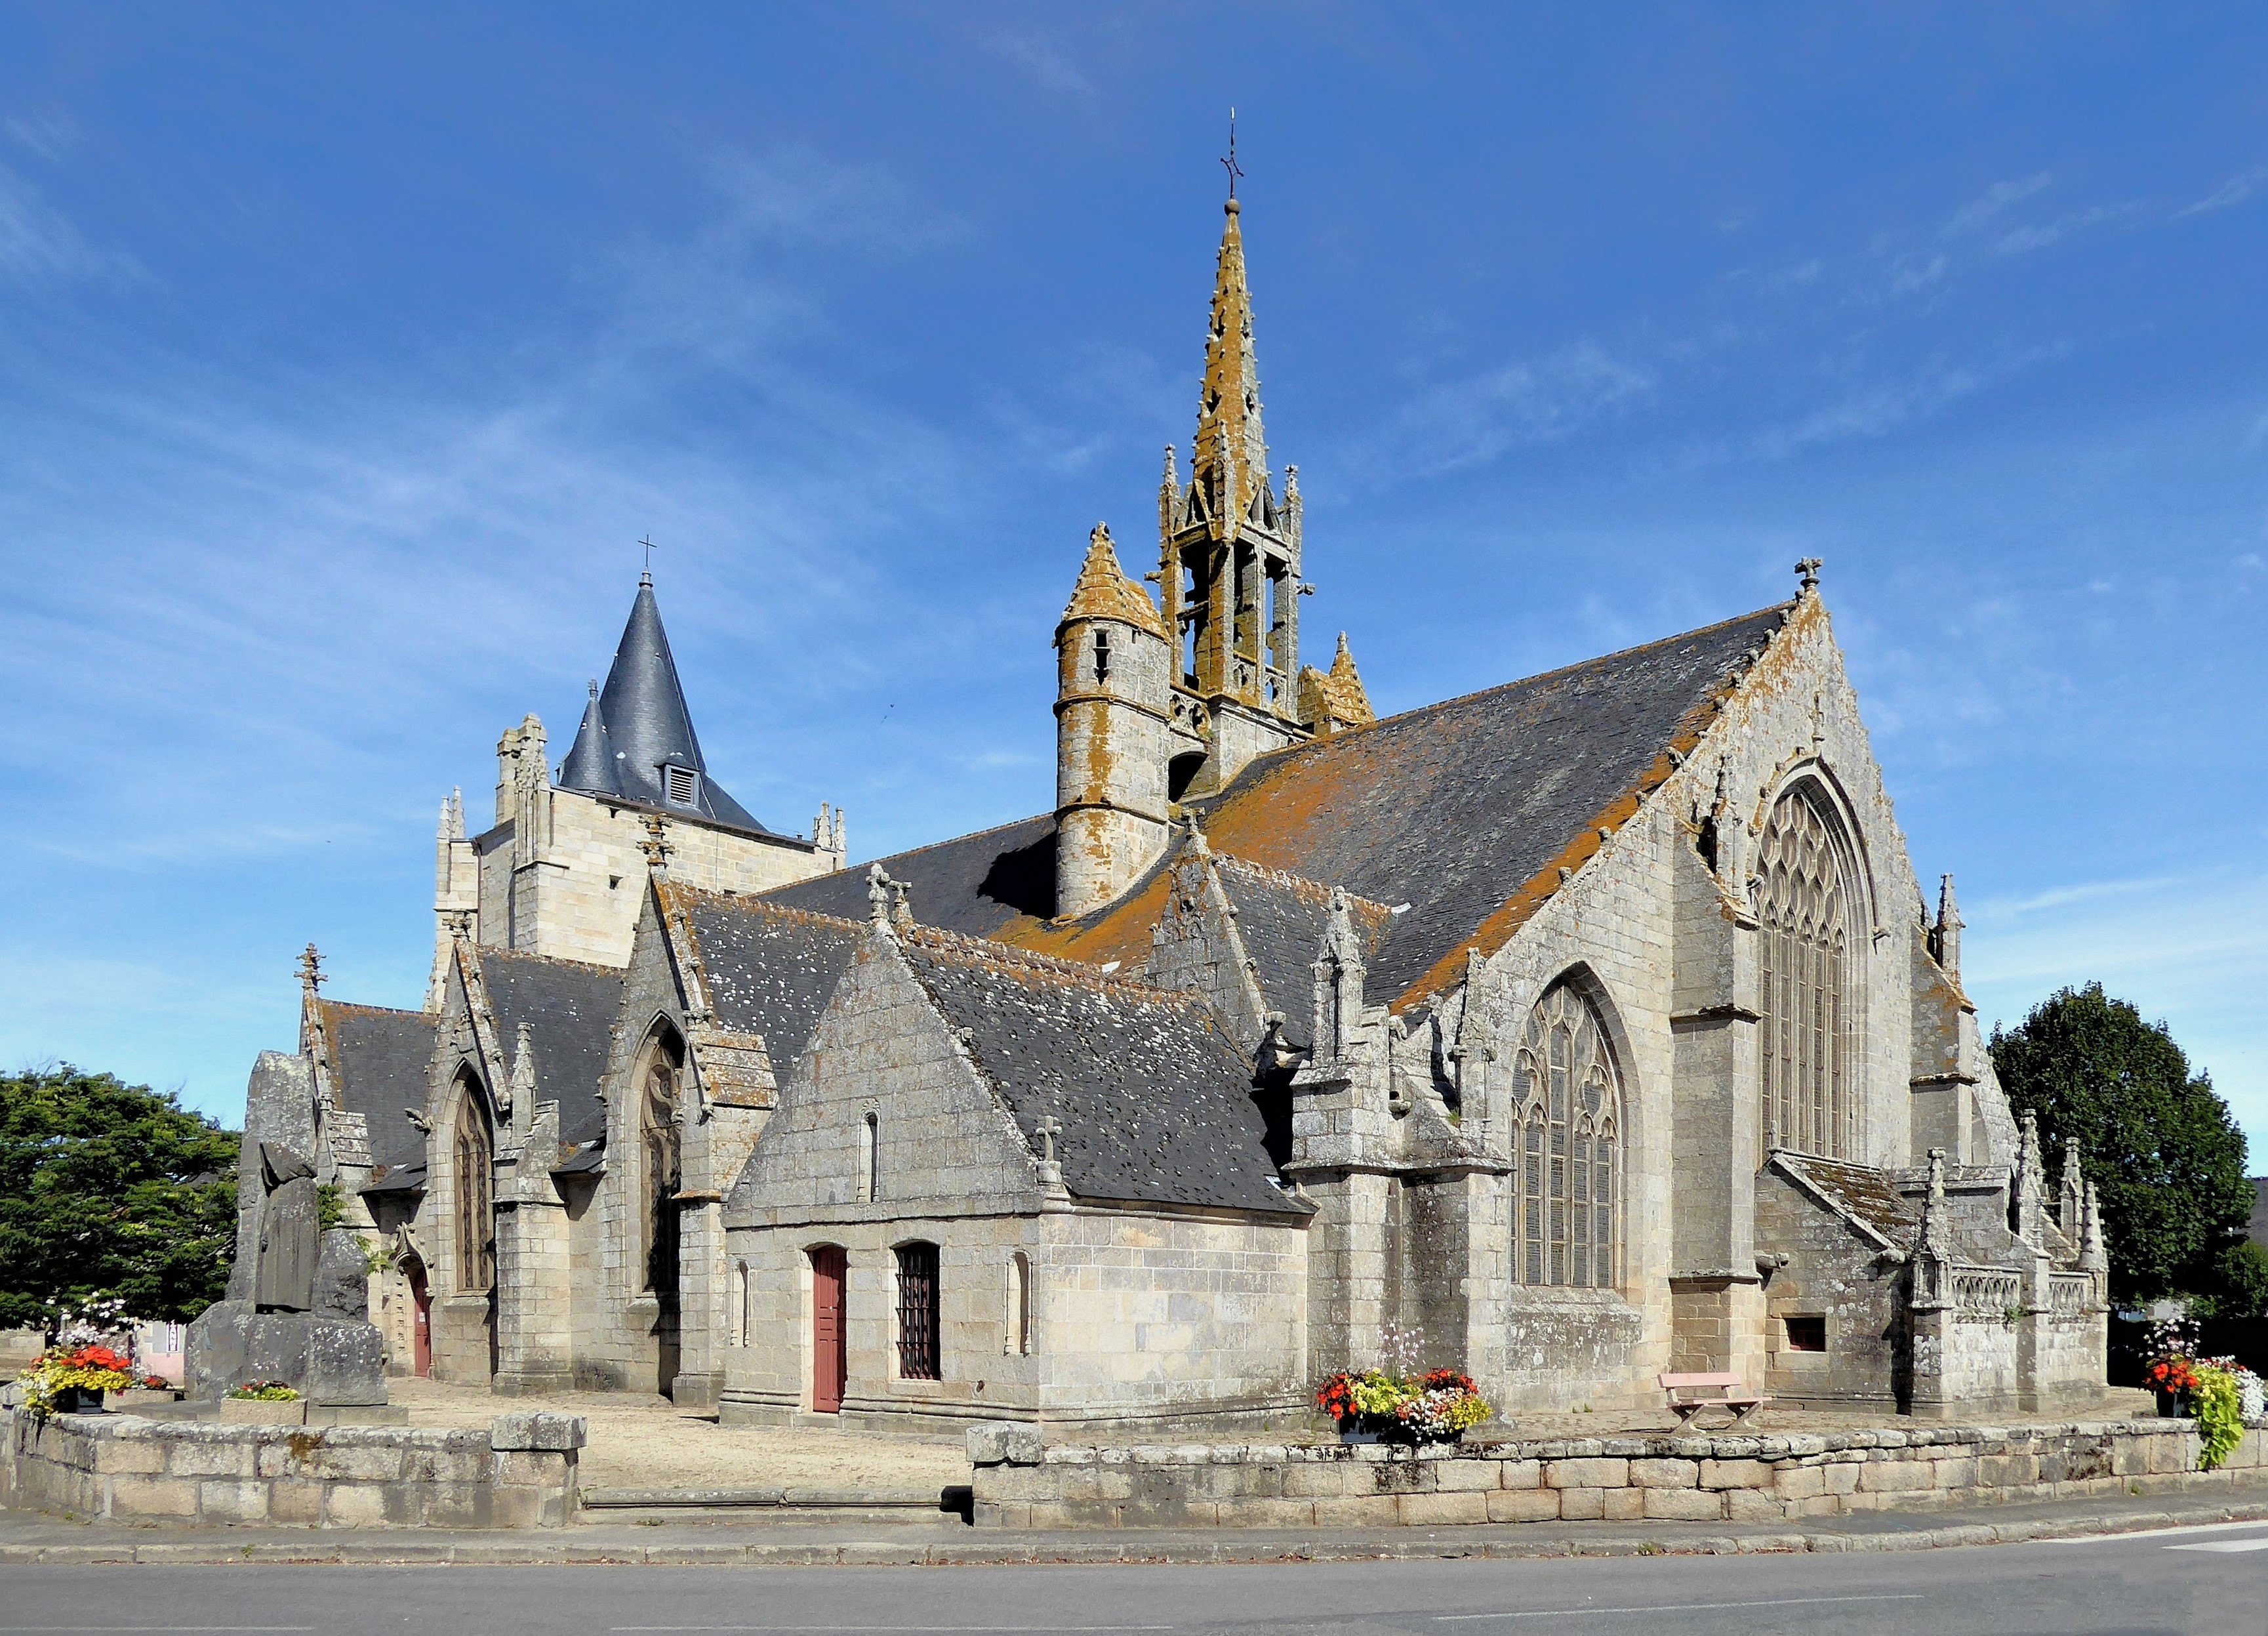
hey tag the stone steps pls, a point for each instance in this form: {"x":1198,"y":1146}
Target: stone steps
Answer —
{"x":949,"y":1506}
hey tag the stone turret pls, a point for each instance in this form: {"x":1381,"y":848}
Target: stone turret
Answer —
{"x":1112,"y":688}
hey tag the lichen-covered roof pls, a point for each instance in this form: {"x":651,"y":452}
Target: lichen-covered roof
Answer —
{"x":1861,"y":1194}
{"x":379,"y":1058}
{"x":1466,"y":811}
{"x":1155,"y":1105}
{"x":769,"y":969}
{"x":1281,"y":919}
{"x":570,"y":1008}
{"x":1104,"y":592}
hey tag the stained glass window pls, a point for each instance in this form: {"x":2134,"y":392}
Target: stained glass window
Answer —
{"x":1566,"y":1135}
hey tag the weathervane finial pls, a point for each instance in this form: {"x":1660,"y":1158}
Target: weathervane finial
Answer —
{"x":1228,"y":161}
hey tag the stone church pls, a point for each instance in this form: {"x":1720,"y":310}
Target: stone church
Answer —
{"x":1585,"y":1027}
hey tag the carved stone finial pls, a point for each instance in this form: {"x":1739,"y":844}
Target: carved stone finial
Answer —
{"x":656,"y":845}
{"x":311,"y":969}
{"x":1197,"y":844}
{"x":2092,"y":1257}
{"x":1808,"y":568}
{"x":877,"y":896}
{"x":1934,"y":1241}
{"x":901,"y":909}
{"x":1944,"y":936}
{"x":1047,"y":1129}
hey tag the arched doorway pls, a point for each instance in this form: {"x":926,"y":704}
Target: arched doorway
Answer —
{"x":661,"y":1167}
{"x":421,"y":1321}
{"x":829,"y":1358}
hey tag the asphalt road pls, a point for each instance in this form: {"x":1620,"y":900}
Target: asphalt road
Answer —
{"x":2212,"y":1579}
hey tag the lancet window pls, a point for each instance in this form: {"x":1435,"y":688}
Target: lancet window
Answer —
{"x":476,"y":1180}
{"x":1803,"y":902}
{"x":1567,"y":1142}
{"x":659,"y":1148}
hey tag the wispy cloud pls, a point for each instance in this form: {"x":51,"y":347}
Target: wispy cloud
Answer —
{"x":1468,"y":422}
{"x":1993,"y":203}
{"x":50,"y":135}
{"x":1046,"y":63}
{"x":2235,"y":190}
{"x":2039,"y":235}
{"x":40,"y":245}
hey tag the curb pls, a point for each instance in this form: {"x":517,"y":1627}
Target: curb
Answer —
{"x":1403,"y":1545}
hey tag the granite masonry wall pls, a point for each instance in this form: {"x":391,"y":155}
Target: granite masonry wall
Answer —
{"x":1022,"y":1482}
{"x":519,"y":1473}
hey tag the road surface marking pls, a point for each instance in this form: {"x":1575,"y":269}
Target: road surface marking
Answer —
{"x":2154,"y":1533}
{"x":1676,"y":1607}
{"x":2225,"y":1544}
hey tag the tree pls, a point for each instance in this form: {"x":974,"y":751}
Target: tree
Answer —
{"x":113,"y":1189}
{"x":2165,"y":1158}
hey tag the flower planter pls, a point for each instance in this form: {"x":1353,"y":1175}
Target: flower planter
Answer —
{"x":261,"y":1412}
{"x":1354,"y":1435}
{"x":78,"y":1400}
{"x":2171,"y":1406}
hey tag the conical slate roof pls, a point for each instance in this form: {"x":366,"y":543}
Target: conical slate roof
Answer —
{"x":636,"y":726}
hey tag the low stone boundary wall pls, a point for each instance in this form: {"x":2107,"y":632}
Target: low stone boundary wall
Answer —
{"x":519,"y":1473}
{"x":1021,"y":1483}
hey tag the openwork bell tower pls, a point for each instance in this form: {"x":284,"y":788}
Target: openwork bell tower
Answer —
{"x":1156,"y":706}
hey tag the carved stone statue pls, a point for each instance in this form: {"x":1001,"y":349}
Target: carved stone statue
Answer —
{"x":291,"y":1232}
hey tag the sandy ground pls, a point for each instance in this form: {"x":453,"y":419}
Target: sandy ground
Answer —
{"x":649,"y":1442}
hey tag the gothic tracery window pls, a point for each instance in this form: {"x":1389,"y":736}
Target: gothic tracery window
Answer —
{"x":658,"y":1146}
{"x":476,"y":1185}
{"x":1566,"y":1140}
{"x":1803,"y":915}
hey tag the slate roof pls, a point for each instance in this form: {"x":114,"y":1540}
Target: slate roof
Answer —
{"x":1858,"y":1193}
{"x":1465,"y":810}
{"x":979,"y":884}
{"x":1281,"y":918}
{"x":769,"y":969}
{"x":570,"y":1008}
{"x":1156,"y":1106}
{"x":379,"y":1058}
{"x":638,"y":723}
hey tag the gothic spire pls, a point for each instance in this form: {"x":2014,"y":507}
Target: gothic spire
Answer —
{"x":1231,"y":452}
{"x":636,"y":740}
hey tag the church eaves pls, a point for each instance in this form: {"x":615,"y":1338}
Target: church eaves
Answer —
{"x":636,"y":740}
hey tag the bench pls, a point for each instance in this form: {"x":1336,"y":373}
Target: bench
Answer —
{"x":1691,"y":1393}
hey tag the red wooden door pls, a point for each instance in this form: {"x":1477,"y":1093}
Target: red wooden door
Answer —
{"x":421,"y":1324}
{"x":827,"y":1358}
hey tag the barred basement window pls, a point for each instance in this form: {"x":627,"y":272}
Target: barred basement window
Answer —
{"x":917,"y":1306}
{"x":1566,"y":1127}
{"x":1803,"y":915}
{"x":684,"y":785}
{"x":1806,"y":1333}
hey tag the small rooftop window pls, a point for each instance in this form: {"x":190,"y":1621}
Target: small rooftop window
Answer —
{"x":682,"y":785}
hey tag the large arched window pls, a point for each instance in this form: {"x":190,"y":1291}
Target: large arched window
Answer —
{"x":1804,"y":915}
{"x":661,"y":1165}
{"x":476,"y":1185}
{"x":1567,"y":1139}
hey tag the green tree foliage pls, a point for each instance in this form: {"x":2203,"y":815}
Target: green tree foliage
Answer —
{"x":2241,"y":1282}
{"x":2165,"y":1156}
{"x":112,"y":1188}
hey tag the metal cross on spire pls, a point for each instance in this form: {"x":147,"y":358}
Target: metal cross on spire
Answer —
{"x":646,"y":573}
{"x":1228,"y":161}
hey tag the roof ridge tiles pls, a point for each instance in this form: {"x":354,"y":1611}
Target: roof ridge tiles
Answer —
{"x":1304,"y":885}
{"x":755,"y":902}
{"x":485,"y":950}
{"x":1009,"y":954}
{"x":371,"y":1011}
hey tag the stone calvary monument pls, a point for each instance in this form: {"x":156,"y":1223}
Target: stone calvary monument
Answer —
{"x":297,"y":1308}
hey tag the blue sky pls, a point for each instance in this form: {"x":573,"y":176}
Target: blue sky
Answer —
{"x":344,"y":353}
